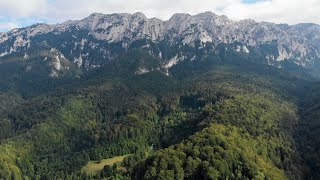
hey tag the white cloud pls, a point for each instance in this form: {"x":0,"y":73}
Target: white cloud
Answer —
{"x":279,"y":11}
{"x":23,"y":8}
{"x":152,"y":8}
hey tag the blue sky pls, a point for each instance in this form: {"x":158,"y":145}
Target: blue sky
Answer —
{"x":250,"y":1}
{"x":20,"y":13}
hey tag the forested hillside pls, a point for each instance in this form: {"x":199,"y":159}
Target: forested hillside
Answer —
{"x":214,"y":118}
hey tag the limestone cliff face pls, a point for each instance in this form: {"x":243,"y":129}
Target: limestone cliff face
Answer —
{"x":104,"y":37}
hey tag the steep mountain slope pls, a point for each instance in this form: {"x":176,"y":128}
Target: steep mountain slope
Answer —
{"x":99,"y":38}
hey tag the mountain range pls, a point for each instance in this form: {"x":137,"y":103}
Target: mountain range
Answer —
{"x":91,"y":42}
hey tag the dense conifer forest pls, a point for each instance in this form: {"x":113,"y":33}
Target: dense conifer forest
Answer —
{"x":214,"y":118}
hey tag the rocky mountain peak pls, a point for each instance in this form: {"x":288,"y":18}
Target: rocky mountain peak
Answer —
{"x":179,"y":17}
{"x":140,"y":15}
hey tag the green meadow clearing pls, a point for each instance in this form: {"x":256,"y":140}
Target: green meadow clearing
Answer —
{"x":94,"y":167}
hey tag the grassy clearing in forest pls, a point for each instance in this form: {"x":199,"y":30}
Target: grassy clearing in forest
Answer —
{"x":94,"y":167}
